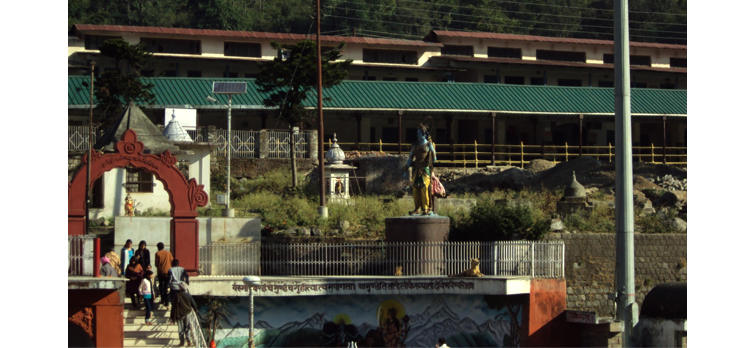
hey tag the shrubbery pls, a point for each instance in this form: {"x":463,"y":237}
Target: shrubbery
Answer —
{"x":493,"y":220}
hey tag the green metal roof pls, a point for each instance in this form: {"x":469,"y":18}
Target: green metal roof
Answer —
{"x":425,"y":96}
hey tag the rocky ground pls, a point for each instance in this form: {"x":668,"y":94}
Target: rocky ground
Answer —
{"x":657,"y":189}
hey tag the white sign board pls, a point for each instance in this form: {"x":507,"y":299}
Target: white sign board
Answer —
{"x":187,"y":118}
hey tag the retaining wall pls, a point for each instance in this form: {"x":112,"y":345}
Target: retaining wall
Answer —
{"x":590,"y":266}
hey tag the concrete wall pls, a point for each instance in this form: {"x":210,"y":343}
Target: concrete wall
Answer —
{"x":95,"y":316}
{"x":157,"y":229}
{"x":590,"y":266}
{"x":547,"y":301}
{"x":656,"y":332}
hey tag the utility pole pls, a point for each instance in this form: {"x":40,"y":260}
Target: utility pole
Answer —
{"x":322,"y":210}
{"x":228,"y":211}
{"x":626,"y":309}
{"x":89,"y":147}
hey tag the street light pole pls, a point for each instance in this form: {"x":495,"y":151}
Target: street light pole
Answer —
{"x":228,"y":211}
{"x":626,"y":309}
{"x":322,"y":210}
{"x":251,"y":281}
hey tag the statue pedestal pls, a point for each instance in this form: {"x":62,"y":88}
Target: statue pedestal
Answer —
{"x":418,"y":258}
{"x":417,"y":228}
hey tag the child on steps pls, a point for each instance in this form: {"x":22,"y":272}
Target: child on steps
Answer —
{"x":145,"y":290}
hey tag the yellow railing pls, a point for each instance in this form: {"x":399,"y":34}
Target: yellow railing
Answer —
{"x":477,"y":155}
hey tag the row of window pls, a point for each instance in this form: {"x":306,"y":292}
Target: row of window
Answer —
{"x":520,"y":80}
{"x":254,"y":50}
{"x":564,"y":56}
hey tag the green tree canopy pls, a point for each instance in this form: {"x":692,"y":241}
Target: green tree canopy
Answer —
{"x":288,"y":78}
{"x":114,"y":89}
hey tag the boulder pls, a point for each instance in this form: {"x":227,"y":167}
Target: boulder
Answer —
{"x":557,"y":225}
{"x":343,"y":226}
{"x":316,"y":232}
{"x":678,"y":225}
{"x":671,"y":199}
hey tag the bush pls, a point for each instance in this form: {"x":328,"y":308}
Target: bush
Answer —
{"x":489,"y":221}
{"x":598,"y":220}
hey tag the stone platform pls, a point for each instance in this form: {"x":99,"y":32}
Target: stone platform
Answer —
{"x":417,"y":228}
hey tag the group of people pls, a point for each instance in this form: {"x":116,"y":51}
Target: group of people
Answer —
{"x":172,"y":283}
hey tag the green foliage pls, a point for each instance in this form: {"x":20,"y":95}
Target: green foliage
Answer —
{"x":153,"y":212}
{"x":287,"y":82}
{"x":490,"y":220}
{"x":600,"y":220}
{"x":114,"y":89}
{"x":650,"y":20}
{"x":655,"y":223}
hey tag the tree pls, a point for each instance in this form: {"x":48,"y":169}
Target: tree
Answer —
{"x":116,"y":88}
{"x":290,"y":78}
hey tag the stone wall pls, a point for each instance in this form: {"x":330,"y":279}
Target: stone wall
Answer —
{"x":590,"y":266}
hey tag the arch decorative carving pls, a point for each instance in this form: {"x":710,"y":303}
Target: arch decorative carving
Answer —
{"x":185,"y":195}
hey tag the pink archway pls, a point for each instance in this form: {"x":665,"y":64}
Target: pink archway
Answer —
{"x":185,"y":196}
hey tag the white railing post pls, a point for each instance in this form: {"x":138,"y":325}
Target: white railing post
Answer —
{"x":532,"y":257}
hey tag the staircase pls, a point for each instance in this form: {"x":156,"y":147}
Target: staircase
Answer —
{"x":159,"y":334}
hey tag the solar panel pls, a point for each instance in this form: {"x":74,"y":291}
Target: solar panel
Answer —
{"x":229,"y":87}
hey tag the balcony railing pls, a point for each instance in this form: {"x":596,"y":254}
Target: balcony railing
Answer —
{"x":517,"y":258}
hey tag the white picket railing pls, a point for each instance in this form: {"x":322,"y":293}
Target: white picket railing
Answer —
{"x":517,"y":258}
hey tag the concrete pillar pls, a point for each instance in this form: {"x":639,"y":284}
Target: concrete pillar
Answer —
{"x":263,"y":143}
{"x":313,"y":144}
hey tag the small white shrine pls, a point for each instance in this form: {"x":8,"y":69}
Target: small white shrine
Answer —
{"x":337,"y":173}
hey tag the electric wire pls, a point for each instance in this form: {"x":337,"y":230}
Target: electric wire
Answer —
{"x":585,"y":8}
{"x":483,"y":17}
{"x":498,"y":25}
{"x":508,"y":11}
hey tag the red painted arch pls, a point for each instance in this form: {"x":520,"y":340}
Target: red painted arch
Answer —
{"x":184,"y":195}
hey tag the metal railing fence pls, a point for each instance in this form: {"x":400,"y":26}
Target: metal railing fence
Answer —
{"x":230,"y":258}
{"x":279,"y":146}
{"x":196,"y":331}
{"x":81,"y":255}
{"x":78,"y":138}
{"x":250,"y":144}
{"x":515,"y":258}
{"x":479,"y":154}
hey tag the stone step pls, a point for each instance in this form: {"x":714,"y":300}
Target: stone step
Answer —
{"x":150,"y":334}
{"x":155,"y":327}
{"x":139,"y":313}
{"x":151,"y":342}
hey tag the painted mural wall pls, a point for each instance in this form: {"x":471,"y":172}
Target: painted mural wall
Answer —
{"x":372,"y":321}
